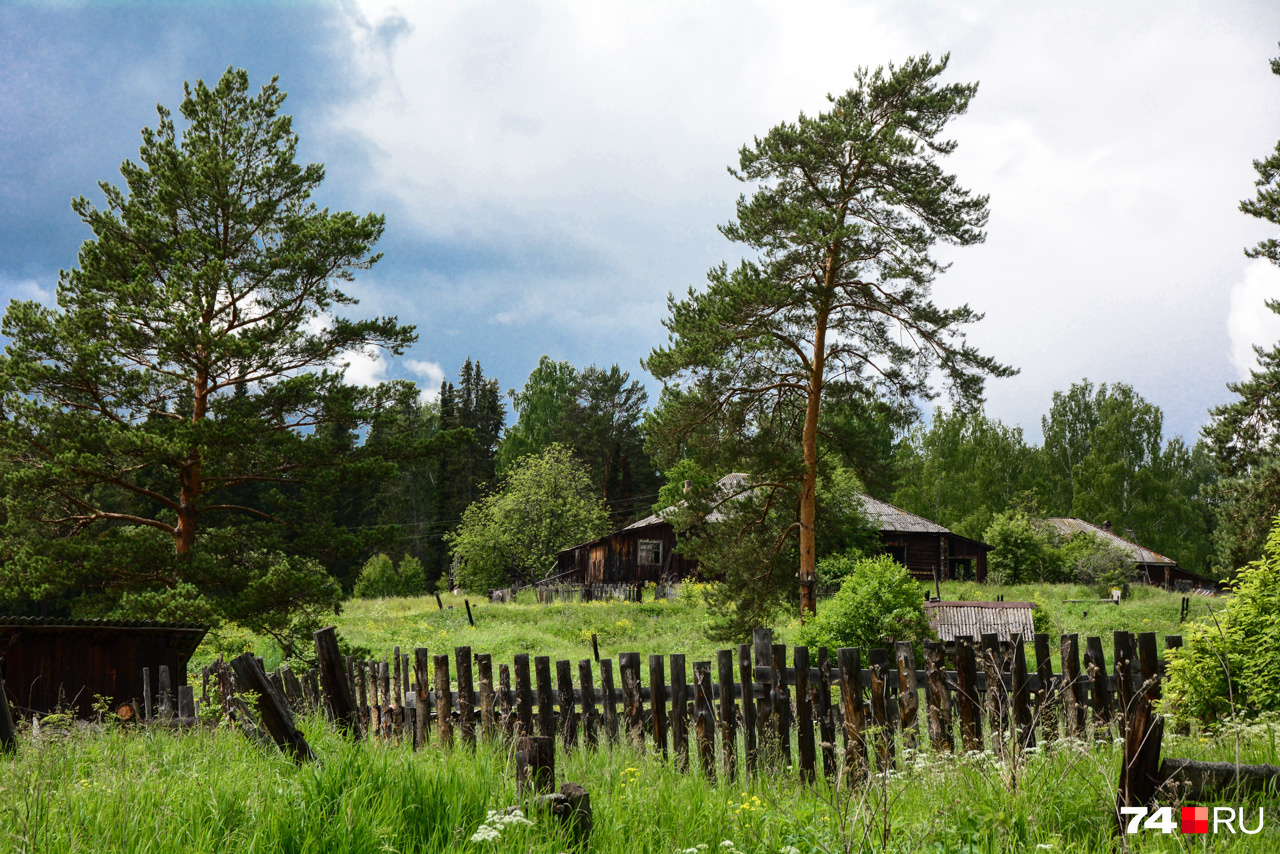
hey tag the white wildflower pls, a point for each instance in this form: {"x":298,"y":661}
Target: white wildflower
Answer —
{"x":484,"y":833}
{"x":728,"y":843}
{"x":788,"y":849}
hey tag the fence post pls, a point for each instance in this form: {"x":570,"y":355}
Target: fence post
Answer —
{"x":1100,"y":697}
{"x":146,"y":694}
{"x":524,"y":697}
{"x":908,"y":694}
{"x":504,"y":699}
{"x":333,"y":678}
{"x":422,"y":672}
{"x":484,"y":664}
{"x":748,"y":681}
{"x":705,"y":717}
{"x":564,"y":693}
{"x":1073,"y":699}
{"x":658,"y":700}
{"x":588,"y":703}
{"x":937,"y":696}
{"x":680,"y":711}
{"x":1122,"y":645}
{"x":466,"y":696}
{"x":967,"y":695}
{"x":855,"y":753}
{"x":1046,"y":697}
{"x":826,"y":725}
{"x":166,"y":694}
{"x":997,"y":702}
{"x":728,"y":714}
{"x":804,"y":714}
{"x":536,"y":766}
{"x":271,"y":708}
{"x":8,"y":737}
{"x":878,"y":664}
{"x":1022,"y":695}
{"x":1180,"y":726}
{"x":609,"y":697}
{"x":629,"y":670}
{"x":762,"y":653}
{"x":546,"y":710}
{"x":781,"y":702}
{"x":444,"y":703}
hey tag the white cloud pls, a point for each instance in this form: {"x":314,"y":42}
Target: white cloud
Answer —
{"x":25,"y":289}
{"x":431,"y":376}
{"x":1250,"y":322}
{"x":364,"y":367}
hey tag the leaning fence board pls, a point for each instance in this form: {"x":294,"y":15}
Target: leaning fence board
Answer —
{"x":704,"y":718}
{"x":679,"y":712}
{"x":333,"y":679}
{"x":271,"y":710}
{"x":826,"y":721}
{"x":422,"y":670}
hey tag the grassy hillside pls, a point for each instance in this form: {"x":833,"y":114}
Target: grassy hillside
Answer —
{"x":564,"y":630}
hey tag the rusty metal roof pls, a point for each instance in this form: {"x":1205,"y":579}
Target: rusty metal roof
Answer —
{"x":974,"y":619}
{"x":1069,"y":526}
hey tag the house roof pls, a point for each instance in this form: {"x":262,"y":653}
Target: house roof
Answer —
{"x":886,"y":517}
{"x":1069,"y":526}
{"x":974,"y":619}
{"x":730,"y":484}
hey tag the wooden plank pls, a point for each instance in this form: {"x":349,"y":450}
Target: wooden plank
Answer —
{"x":1023,"y":718}
{"x":908,"y":694}
{"x":8,"y":735}
{"x":781,"y":703}
{"x":996,"y":700}
{"x":466,"y":696}
{"x":546,"y":705}
{"x":535,"y":766}
{"x":1095,"y":665}
{"x":1150,"y":661}
{"x":1122,"y":655}
{"x":679,"y":712}
{"x":629,"y":670}
{"x":804,"y":716}
{"x":505,"y":696}
{"x":388,"y":711}
{"x":1046,"y":690}
{"x":422,"y":669}
{"x":658,"y":694}
{"x":568,"y":722}
{"x":728,"y":714}
{"x":444,"y":703}
{"x":146,"y":694}
{"x":937,"y":696}
{"x":749,"y":747}
{"x":855,"y":754}
{"x":1072,"y":692}
{"x":333,"y":679}
{"x":1181,"y":725}
{"x":704,"y":718}
{"x":488,"y":722}
{"x":967,"y":695}
{"x":878,"y":664}
{"x":826,"y":717}
{"x":270,"y":708}
{"x":362,"y":690}
{"x":609,"y":699}
{"x":524,"y":698}
{"x":762,"y":654}
{"x":397,"y":693}
{"x":590,"y":719}
{"x":166,"y":693}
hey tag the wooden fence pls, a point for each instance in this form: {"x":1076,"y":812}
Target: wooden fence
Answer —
{"x":977,"y":695}
{"x":627,"y":592}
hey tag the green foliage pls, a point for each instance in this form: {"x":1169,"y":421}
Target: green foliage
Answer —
{"x":1020,"y":550}
{"x":380,"y":578}
{"x":877,"y":602}
{"x":1228,"y":664}
{"x":189,"y":387}
{"x":545,"y":503}
{"x":1086,"y":559}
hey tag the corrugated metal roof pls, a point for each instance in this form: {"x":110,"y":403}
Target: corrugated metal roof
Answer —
{"x":889,"y":518}
{"x":68,"y":623}
{"x":1069,"y":526}
{"x":974,"y":619}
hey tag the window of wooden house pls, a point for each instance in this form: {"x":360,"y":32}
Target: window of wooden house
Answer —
{"x":649,"y":553}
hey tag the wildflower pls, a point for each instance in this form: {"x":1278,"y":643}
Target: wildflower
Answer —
{"x":727,"y":844}
{"x":788,"y":849}
{"x":1044,"y":846}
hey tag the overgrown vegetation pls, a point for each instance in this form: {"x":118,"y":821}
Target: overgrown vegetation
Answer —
{"x":878,"y":601}
{"x":380,"y":578}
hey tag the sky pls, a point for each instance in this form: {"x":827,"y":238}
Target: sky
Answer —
{"x":550,"y":172}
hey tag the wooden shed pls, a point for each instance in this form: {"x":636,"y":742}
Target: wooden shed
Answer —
{"x":641,"y":552}
{"x":50,"y":662}
{"x":924,"y":547}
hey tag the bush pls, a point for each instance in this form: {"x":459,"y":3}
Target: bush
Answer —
{"x":380,"y":578}
{"x":878,"y":601}
{"x":1228,"y":664}
{"x":1020,"y":551}
{"x":1086,"y":559}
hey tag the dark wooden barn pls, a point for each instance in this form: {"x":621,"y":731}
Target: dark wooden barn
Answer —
{"x":925,"y":547}
{"x":643,"y":551}
{"x":48,"y":662}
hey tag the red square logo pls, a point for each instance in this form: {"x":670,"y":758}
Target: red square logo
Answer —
{"x":1195,"y":819}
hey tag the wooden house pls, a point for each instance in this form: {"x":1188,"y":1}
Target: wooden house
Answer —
{"x":645,"y":550}
{"x":50,"y":662}
{"x":1152,"y":567}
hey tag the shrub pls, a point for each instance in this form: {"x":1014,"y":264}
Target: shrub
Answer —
{"x":1086,"y":559}
{"x":878,"y":601}
{"x":1228,"y":664}
{"x":1020,"y":551}
{"x":379,"y":578}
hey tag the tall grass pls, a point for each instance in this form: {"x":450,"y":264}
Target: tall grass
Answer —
{"x":213,"y":790}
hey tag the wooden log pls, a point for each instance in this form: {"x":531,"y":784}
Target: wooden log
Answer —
{"x":590,"y":733}
{"x":505,"y":702}
{"x":397,"y":692}
{"x":878,"y":664}
{"x":804,"y":716}
{"x":524,"y":698}
{"x":146,"y":694}
{"x":535,"y":766}
{"x":8,"y":735}
{"x":766,"y":732}
{"x":967,"y":695}
{"x":749,"y":748}
{"x":1072,"y":690}
{"x":568,"y":722}
{"x":488,"y":724}
{"x":470,"y":619}
{"x":270,"y":708}
{"x":444,"y":702}
{"x":658,"y":702}
{"x":728,"y":714}
{"x":704,"y":718}
{"x":166,"y":694}
{"x":1122,"y":647}
{"x":1095,"y":665}
{"x":466,"y":696}
{"x":1199,"y":781}
{"x":1150,"y":661}
{"x":908,"y":694}
{"x":996,"y":701}
{"x":546,"y":708}
{"x":1140,"y":766}
{"x":937,"y":696}
{"x":680,"y":712}
{"x":629,"y":668}
{"x":387,"y":716}
{"x":1023,"y":717}
{"x":781,"y":703}
{"x":826,"y":722}
{"x":333,"y":680}
{"x":609,"y":699}
{"x":595,"y":647}
{"x":855,"y":754}
{"x":1047,"y":693}
{"x":422,"y":670}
